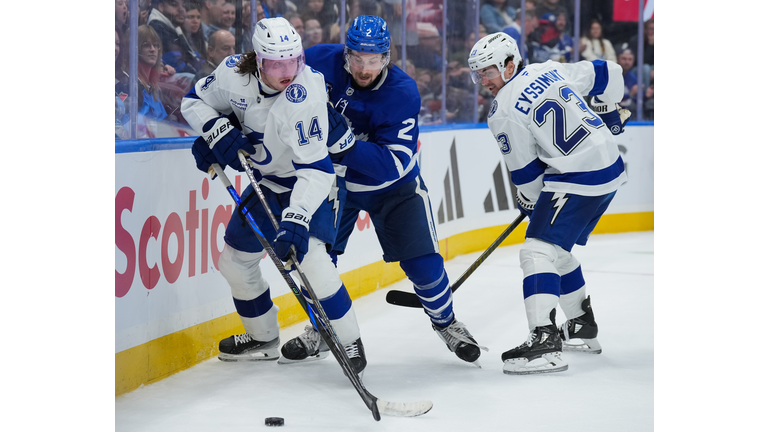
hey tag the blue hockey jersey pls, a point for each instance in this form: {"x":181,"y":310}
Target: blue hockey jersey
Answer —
{"x":384,"y":119}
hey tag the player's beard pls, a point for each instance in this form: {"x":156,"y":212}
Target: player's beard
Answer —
{"x":364,"y":79}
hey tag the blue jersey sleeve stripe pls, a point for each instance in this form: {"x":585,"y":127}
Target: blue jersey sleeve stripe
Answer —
{"x":192,"y":93}
{"x":325,"y":165}
{"x":590,"y":178}
{"x":601,"y":77}
{"x":529,"y":172}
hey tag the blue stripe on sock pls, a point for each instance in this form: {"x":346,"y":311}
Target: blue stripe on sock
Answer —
{"x":335,"y":306}
{"x":572,"y":281}
{"x":254,"y":308}
{"x":541,"y":283}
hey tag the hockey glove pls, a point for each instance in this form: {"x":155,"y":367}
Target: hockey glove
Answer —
{"x":204,"y":157}
{"x":340,"y":139}
{"x":293,"y":231}
{"x":611,"y":114}
{"x":225,"y":141}
{"x":524,"y":204}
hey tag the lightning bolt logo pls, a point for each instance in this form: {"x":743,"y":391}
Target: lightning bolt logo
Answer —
{"x":333,"y":196}
{"x":560,"y":199}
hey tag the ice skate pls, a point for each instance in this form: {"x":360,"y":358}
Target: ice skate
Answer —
{"x":245,"y":348}
{"x":460,"y":342}
{"x":310,"y":346}
{"x":541,"y":353}
{"x":580,"y":334}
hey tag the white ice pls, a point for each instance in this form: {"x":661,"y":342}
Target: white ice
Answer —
{"x":612,"y":391}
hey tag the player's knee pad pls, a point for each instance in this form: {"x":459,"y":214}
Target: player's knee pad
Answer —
{"x":537,"y":256}
{"x":319,"y":269}
{"x":423,"y":270}
{"x":242,"y":272}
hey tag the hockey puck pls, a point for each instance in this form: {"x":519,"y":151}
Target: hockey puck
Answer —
{"x":274,"y":421}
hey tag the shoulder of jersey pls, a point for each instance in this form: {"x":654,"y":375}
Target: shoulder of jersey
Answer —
{"x":307,"y":87}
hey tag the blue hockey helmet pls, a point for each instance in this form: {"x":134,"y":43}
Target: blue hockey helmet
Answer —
{"x":368,"y":34}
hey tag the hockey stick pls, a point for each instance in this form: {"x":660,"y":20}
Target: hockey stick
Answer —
{"x":408,"y":299}
{"x":216,"y":168}
{"x":376,"y":405}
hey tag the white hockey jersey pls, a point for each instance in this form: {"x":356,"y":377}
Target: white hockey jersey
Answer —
{"x":288,"y":129}
{"x":550,"y":138}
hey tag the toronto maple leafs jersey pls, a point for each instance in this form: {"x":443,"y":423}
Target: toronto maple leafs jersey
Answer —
{"x":550,"y":138}
{"x":384,"y":119}
{"x":288,"y":129}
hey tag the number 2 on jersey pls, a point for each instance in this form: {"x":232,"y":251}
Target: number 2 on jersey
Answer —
{"x":564,"y":142}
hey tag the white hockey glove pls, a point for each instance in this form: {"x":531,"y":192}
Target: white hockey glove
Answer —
{"x":611,"y":114}
{"x":525,"y":205}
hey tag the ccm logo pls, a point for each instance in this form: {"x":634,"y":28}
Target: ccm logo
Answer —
{"x":297,"y":216}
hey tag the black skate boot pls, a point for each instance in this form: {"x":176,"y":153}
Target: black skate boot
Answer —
{"x":459,"y":341}
{"x":245,"y":348}
{"x":310,"y":346}
{"x":541,"y":353}
{"x":580,"y":333}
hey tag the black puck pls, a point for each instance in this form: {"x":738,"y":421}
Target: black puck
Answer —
{"x":274,"y":421}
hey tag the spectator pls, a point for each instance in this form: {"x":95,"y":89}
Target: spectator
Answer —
{"x":531,"y":24}
{"x":427,"y":54}
{"x":150,"y":70}
{"x":144,"y":7}
{"x":461,"y":55}
{"x":626,"y":60}
{"x":211,"y":14}
{"x":324,"y":11}
{"x":246,"y":42}
{"x":228,"y":17}
{"x":313,"y":33}
{"x":410,"y":69}
{"x":121,"y":15}
{"x":166,"y":18}
{"x":554,"y":7}
{"x":120,"y":131}
{"x":648,"y":101}
{"x":193,"y":30}
{"x":566,"y":44}
{"x":277,"y":8}
{"x":647,"y":51}
{"x":495,"y":15}
{"x":593,"y":46}
{"x":221,"y":45}
{"x":297,"y":22}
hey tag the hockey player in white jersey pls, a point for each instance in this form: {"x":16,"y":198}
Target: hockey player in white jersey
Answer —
{"x":566,"y":165}
{"x":268,"y":104}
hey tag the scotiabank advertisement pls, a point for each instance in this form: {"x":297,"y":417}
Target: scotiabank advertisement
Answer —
{"x":170,"y":220}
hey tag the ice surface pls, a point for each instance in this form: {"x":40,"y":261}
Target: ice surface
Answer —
{"x":612,"y":391}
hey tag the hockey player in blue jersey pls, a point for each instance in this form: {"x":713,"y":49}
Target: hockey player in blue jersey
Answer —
{"x":269,"y":105}
{"x":381,"y":104}
{"x":566,"y":165}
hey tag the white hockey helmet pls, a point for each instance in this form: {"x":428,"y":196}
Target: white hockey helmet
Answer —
{"x":493,"y":50}
{"x":275,"y":39}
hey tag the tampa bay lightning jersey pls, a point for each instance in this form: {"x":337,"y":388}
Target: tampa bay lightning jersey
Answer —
{"x":288,"y":129}
{"x":384,"y":119}
{"x":549,"y":137}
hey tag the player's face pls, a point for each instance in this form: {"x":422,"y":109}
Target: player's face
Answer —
{"x":279,"y":74}
{"x":490,"y":77}
{"x":365,"y":67}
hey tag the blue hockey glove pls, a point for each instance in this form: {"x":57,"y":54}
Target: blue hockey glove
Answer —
{"x":525,"y":205}
{"x":204,"y":157}
{"x":340,"y":139}
{"x":225,"y":141}
{"x":293,"y":231}
{"x":611,"y":114}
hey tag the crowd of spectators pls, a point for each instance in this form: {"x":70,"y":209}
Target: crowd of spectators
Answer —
{"x":182,"y":41}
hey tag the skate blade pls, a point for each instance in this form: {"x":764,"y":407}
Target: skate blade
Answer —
{"x":547,"y":363}
{"x":264,"y":355}
{"x":588,"y":346}
{"x":321,"y":355}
